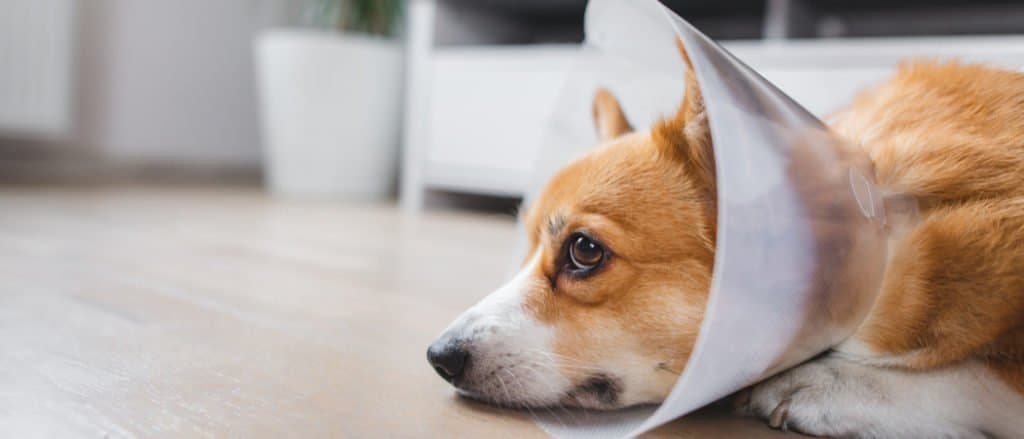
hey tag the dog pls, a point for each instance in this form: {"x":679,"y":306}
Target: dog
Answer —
{"x":607,"y":305}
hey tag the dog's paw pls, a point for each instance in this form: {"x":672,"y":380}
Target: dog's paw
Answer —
{"x":813,"y":398}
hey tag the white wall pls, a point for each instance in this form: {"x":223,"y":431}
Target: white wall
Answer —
{"x":35,"y":44}
{"x":170,"y":81}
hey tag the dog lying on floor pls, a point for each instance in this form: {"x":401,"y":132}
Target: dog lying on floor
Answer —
{"x":608,"y":303}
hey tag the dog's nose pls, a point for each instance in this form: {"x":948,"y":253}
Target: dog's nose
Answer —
{"x":449,"y":359}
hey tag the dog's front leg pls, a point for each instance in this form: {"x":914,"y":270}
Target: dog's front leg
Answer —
{"x":838,"y":397}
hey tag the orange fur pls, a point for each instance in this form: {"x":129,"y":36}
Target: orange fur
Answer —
{"x":611,"y":121}
{"x":953,"y":136}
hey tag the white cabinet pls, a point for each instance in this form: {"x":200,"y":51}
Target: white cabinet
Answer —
{"x":477,"y":115}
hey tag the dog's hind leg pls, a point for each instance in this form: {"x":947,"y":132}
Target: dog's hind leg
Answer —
{"x":953,"y":291}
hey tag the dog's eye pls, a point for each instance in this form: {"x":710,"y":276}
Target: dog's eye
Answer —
{"x":584,"y":253}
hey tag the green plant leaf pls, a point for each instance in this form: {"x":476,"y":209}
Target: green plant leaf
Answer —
{"x":374,"y":17}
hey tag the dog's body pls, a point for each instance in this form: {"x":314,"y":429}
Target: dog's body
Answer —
{"x":608,"y":304}
{"x":942,"y":352}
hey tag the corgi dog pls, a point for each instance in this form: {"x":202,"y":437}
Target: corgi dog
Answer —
{"x":607,"y":305}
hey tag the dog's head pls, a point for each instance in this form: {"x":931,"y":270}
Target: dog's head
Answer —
{"x":607,"y":305}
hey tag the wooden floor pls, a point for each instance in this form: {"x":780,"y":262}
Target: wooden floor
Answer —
{"x":171,"y":312}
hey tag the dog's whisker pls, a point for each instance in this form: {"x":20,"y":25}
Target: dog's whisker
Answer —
{"x":528,"y":401}
{"x":554,"y":359}
{"x":559,"y":405}
{"x":664,"y":367}
{"x":534,"y":402}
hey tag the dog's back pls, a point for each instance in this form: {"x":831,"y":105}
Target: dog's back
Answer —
{"x":944,"y":132}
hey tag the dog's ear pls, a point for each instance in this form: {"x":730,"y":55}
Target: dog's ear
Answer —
{"x":686,"y":137}
{"x":609,"y":119}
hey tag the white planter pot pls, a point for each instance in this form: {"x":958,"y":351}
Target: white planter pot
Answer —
{"x":331,"y":106}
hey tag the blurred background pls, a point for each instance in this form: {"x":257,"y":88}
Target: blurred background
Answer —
{"x":333,"y":99}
